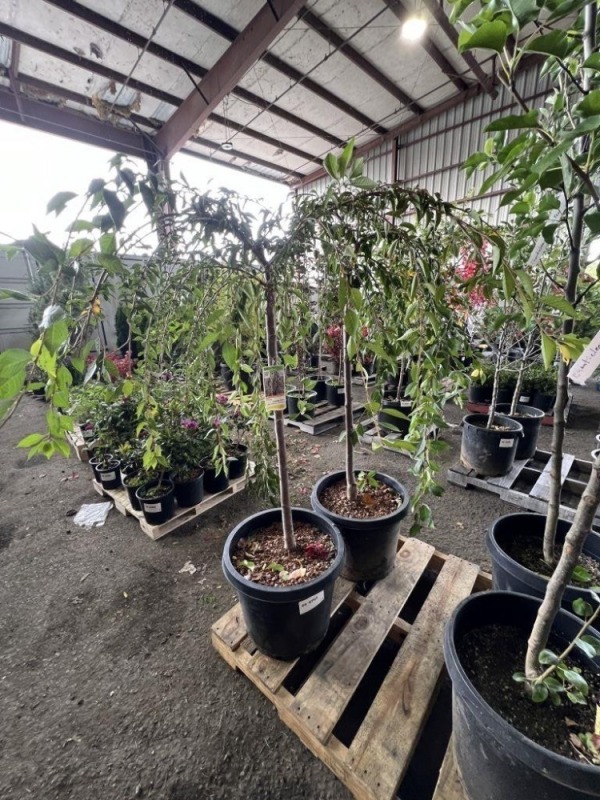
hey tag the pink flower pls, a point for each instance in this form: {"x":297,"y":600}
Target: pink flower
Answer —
{"x":222,"y":399}
{"x":217,"y":422}
{"x":189,"y":424}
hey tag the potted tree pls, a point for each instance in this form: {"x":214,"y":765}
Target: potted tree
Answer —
{"x":553,"y":156}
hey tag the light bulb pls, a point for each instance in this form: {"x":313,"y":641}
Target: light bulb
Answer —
{"x":227,"y":146}
{"x":414,"y":28}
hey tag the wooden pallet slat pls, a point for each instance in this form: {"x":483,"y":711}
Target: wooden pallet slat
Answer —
{"x":389,"y":732}
{"x":449,"y":786}
{"x":325,"y":417}
{"x":541,"y":489}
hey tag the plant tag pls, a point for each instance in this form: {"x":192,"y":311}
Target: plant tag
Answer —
{"x":405,"y":403}
{"x":506,"y":442}
{"x":340,"y":390}
{"x":274,"y":387}
{"x":108,"y":476}
{"x":311,"y":602}
{"x":153,"y":508}
{"x":525,"y":398}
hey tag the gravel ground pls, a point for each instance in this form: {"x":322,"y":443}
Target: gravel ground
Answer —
{"x":109,"y":687}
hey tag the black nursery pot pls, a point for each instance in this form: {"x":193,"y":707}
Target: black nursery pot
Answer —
{"x":531,"y":420}
{"x":335,"y":393}
{"x":495,"y":760}
{"x":131,"y":493}
{"x":371,"y":544}
{"x":508,"y":574}
{"x":390,"y":421}
{"x":543,"y":401}
{"x":109,"y":475}
{"x":214,"y":483}
{"x":93,"y":462}
{"x":161,"y":507}
{"x":189,"y":493}
{"x":489,"y":452}
{"x":227,"y":377}
{"x":237,"y":465}
{"x":480,"y":394}
{"x":285,"y":622}
{"x":292,"y":404}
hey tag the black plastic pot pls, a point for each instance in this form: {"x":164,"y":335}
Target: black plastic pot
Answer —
{"x":93,"y":462}
{"x":371,"y":544}
{"x":227,"y":377}
{"x":109,"y":474}
{"x":87,"y":434}
{"x":161,"y":507}
{"x":285,"y":622}
{"x":237,"y":464}
{"x":189,"y":493}
{"x":335,"y":393}
{"x":543,"y":401}
{"x":531,"y":420}
{"x":214,"y":483}
{"x":480,"y":394}
{"x":390,"y":421}
{"x":131,"y":492}
{"x":489,"y":452}
{"x":292,"y":404}
{"x":508,"y":574}
{"x":496,"y":761}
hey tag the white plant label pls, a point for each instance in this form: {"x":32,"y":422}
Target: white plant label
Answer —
{"x":405,"y":403}
{"x":587,"y":363}
{"x":311,"y":602}
{"x":524,"y":398}
{"x":109,"y":476}
{"x":153,"y":508}
{"x":506,"y":442}
{"x":340,"y":390}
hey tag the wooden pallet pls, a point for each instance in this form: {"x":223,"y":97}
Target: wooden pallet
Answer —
{"x":325,"y":417}
{"x":370,"y":436}
{"x":528,"y":483}
{"x":368,"y":702}
{"x":548,"y":419}
{"x":182,"y":515}
{"x":76,"y":440}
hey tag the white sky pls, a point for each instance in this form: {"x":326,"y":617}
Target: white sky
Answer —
{"x":34,"y":166}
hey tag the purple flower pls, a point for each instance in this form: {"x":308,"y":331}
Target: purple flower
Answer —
{"x":167,"y":375}
{"x":217,"y":422}
{"x":190,"y":424}
{"x":222,"y":399}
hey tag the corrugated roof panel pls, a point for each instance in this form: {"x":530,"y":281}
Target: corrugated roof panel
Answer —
{"x":5,"y":51}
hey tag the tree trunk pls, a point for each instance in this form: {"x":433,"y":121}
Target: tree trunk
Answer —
{"x":348,"y":419}
{"x":562,"y":387}
{"x":522,"y":365}
{"x":272,"y":356}
{"x":561,"y":577}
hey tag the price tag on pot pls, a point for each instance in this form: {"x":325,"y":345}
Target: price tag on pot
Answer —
{"x":109,"y":476}
{"x":506,"y":442}
{"x":525,"y":398}
{"x":153,"y":508}
{"x":311,"y":602}
{"x":405,"y":403}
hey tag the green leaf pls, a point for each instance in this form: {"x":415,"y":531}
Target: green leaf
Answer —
{"x":56,"y":335}
{"x":524,"y":11}
{"x":31,"y":440}
{"x":362,"y":182}
{"x":548,"y":350}
{"x":592,"y":220}
{"x":111,"y":264}
{"x":458,"y":8}
{"x":581,"y":575}
{"x":230,"y":355}
{"x":351,"y":322}
{"x":555,"y":43}
{"x":59,"y":202}
{"x":539,"y":692}
{"x":489,"y":36}
{"x":589,"y":648}
{"x":514,"y":122}
{"x":559,"y":303}
{"x":590,"y":105}
{"x":593,"y":62}
{"x":80,"y":247}
{"x":12,"y":294}
{"x":581,"y":608}
{"x":115,"y":207}
{"x":547,"y":657}
{"x":331,"y":165}
{"x":345,"y":157}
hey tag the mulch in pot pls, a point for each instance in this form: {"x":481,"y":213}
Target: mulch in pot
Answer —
{"x":255,"y":556}
{"x":373,"y":502}
{"x":492,"y":654}
{"x":526,"y":550}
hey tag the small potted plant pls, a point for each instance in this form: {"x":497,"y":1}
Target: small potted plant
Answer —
{"x":185,"y":448}
{"x":157,"y":499}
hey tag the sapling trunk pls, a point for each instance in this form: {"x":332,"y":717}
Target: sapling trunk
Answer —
{"x":348,"y":419}
{"x":272,"y":356}
{"x":561,"y":577}
{"x":492,"y":409}
{"x":520,"y":373}
{"x":562,"y":388}
{"x":400,"y":379}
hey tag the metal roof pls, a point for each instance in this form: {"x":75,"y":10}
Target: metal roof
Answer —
{"x":281,"y":82}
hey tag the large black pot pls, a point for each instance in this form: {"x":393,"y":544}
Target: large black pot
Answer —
{"x":285,"y":622}
{"x":189,"y":493}
{"x":543,"y":400}
{"x":531,"y":420}
{"x":371,"y":544}
{"x":161,"y":507}
{"x":494,"y":760}
{"x":389,"y":419}
{"x":237,"y":464}
{"x":510,"y":575}
{"x":335,"y":393}
{"x":214,"y":483}
{"x":489,"y":452}
{"x":480,"y":394}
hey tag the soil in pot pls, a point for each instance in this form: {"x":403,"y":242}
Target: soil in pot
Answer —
{"x":189,"y":492}
{"x":335,"y":393}
{"x":157,"y":500}
{"x":369,"y":526}
{"x":489,"y":451}
{"x":531,"y":420}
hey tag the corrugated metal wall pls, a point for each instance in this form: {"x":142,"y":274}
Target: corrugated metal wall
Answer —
{"x":431,"y":156}
{"x":15,"y":274}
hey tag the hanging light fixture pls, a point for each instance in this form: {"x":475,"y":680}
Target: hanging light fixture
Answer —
{"x":227,"y":146}
{"x":414,"y":27}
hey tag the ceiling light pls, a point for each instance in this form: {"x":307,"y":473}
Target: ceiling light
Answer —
{"x":414,"y":28}
{"x":227,"y":146}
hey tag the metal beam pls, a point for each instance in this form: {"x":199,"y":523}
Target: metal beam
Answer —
{"x":436,"y":10}
{"x":228,"y":32}
{"x":258,"y":34}
{"x":398,"y":8}
{"x":131,"y":37}
{"x":403,"y":128}
{"x":70,"y":124}
{"x":13,"y":75}
{"x":346,"y":49}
